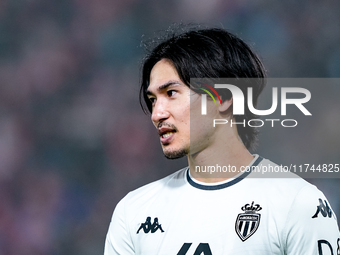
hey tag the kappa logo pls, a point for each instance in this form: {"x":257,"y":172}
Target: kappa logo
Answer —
{"x":248,"y":222}
{"x":148,"y":227}
{"x":324,"y":209}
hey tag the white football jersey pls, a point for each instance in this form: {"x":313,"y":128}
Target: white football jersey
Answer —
{"x":244,"y":215}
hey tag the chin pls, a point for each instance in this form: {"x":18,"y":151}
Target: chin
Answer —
{"x":175,"y":154}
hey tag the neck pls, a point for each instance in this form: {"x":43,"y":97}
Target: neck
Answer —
{"x":220,"y":161}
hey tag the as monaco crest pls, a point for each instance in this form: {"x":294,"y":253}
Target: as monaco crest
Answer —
{"x":248,"y":222}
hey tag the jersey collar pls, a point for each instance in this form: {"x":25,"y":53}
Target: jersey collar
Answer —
{"x":225,"y":184}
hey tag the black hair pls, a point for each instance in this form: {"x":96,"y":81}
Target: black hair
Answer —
{"x":209,"y":53}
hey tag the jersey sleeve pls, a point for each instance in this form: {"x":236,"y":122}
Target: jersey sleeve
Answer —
{"x":118,"y":240}
{"x":311,"y":225}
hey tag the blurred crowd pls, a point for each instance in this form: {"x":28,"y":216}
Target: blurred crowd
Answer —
{"x":73,"y":139}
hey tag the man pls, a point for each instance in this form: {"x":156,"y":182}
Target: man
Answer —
{"x":198,"y":212}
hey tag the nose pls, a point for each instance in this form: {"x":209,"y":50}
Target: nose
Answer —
{"x":159,"y":112}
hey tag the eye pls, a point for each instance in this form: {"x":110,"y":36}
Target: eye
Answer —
{"x":152,"y":100}
{"x":171,"y":92}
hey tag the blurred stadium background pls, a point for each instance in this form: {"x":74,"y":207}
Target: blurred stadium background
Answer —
{"x":73,"y":139}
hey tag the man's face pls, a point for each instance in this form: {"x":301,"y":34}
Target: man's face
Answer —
{"x":170,"y":99}
{"x":176,"y":113}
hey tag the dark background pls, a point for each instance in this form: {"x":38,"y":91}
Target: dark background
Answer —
{"x":73,"y":139}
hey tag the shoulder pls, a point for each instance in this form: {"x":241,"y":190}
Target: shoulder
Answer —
{"x":150,"y":192}
{"x":305,"y":206}
{"x":279,"y":177}
{"x":284,"y":188}
{"x":171,"y":181}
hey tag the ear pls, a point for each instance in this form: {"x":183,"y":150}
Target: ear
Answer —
{"x":226,"y":105}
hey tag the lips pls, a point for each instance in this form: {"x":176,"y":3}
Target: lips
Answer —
{"x":166,"y":133}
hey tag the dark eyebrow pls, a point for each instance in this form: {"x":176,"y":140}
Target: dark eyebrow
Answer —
{"x":164,"y":86}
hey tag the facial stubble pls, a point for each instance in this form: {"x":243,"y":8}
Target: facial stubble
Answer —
{"x":175,"y":154}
